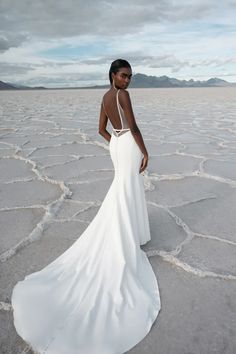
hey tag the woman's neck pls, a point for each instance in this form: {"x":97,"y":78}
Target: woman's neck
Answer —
{"x":114,"y":87}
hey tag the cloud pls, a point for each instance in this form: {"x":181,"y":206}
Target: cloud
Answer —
{"x":50,"y":19}
{"x":10,"y":40}
{"x":69,"y":79}
{"x":214,"y":62}
{"x":75,"y":41}
{"x":137,"y":58}
{"x":10,"y":69}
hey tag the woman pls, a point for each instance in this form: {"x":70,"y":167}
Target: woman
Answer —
{"x":120,"y":75}
{"x":101,"y":295}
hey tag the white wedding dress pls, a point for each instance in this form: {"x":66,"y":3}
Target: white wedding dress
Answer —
{"x":101,"y":295}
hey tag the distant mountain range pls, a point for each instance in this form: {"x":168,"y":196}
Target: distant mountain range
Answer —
{"x":138,"y":81}
{"x":141,"y":80}
{"x":10,"y":86}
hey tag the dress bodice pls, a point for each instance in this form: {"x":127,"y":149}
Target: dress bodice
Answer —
{"x":123,"y":119}
{"x":124,"y":122}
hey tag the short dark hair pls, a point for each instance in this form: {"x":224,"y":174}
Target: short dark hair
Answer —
{"x":116,"y":65}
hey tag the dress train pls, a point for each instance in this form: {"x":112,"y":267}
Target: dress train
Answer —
{"x":101,"y":295}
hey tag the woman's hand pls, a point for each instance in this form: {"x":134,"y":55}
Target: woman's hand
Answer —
{"x":143,"y":163}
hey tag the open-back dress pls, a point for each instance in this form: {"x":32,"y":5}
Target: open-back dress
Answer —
{"x":101,"y":295}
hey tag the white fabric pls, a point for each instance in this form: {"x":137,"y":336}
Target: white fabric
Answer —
{"x":123,"y":119}
{"x":101,"y":295}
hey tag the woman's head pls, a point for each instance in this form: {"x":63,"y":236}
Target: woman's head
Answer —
{"x":120,"y":73}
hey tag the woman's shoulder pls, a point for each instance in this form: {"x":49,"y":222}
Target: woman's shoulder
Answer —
{"x":124,"y":97}
{"x":106,"y":94}
{"x":124,"y":92}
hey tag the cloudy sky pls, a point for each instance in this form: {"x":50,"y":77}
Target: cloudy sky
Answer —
{"x":66,"y":43}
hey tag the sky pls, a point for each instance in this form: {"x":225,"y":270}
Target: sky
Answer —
{"x":70,"y":43}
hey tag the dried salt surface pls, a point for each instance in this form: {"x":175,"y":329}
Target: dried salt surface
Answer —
{"x":6,"y":152}
{"x":92,"y":191}
{"x":166,"y":165}
{"x":72,"y":208}
{"x":179,"y":190}
{"x":73,"y":149}
{"x":211,"y":255}
{"x":55,"y":239}
{"x":75,"y":168}
{"x":14,"y":170}
{"x":225,"y":169}
{"x":197,"y":315}
{"x":207,"y":217}
{"x":16,"y":223}
{"x":27,"y":193}
{"x":87,"y":176}
{"x":56,"y":170}
{"x":166,"y":234}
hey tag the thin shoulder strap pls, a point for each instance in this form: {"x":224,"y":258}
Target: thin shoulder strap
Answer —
{"x":118,"y":106}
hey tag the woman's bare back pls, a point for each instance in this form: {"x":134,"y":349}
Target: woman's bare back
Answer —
{"x":114,"y":110}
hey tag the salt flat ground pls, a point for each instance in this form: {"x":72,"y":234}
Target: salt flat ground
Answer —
{"x":56,"y":170}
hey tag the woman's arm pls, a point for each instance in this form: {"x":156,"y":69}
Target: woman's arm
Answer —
{"x":103,"y":124}
{"x":127,"y":107}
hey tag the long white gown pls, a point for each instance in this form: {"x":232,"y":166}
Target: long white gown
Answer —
{"x":101,"y":295}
